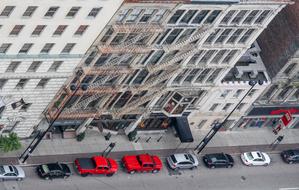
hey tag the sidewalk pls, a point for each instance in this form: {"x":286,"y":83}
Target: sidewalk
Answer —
{"x":95,"y":143}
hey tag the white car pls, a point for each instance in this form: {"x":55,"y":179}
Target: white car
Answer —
{"x":182,"y":161}
{"x":10,"y":172}
{"x":255,"y":158}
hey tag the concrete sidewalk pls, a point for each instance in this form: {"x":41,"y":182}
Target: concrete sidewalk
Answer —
{"x":95,"y":143}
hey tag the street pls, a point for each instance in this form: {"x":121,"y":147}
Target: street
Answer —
{"x":277,"y":175}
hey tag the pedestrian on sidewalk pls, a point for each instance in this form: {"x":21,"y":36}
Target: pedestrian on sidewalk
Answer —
{"x":276,"y":142}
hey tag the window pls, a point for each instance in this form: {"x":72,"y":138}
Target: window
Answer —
{"x":202,"y":75}
{"x":94,"y":12}
{"x":172,"y":36}
{"x":72,"y":13}
{"x":4,"y":47}
{"x":107,"y":35}
{"x":175,"y":17}
{"x":156,"y":57}
{"x":42,"y":83}
{"x":13,"y":66}
{"x":38,"y":30}
{"x":225,"y":93}
{"x":241,"y":106}
{"x":227,"y":106}
{"x":201,"y":124}
{"x":29,"y":11}
{"x":51,"y":11}
{"x":246,"y":36}
{"x":2,"y":83}
{"x":194,"y":59}
{"x":228,"y":17}
{"x":218,"y":56}
{"x":214,"y":75}
{"x":81,"y":30}
{"x":250,"y":17}
{"x":159,"y":15}
{"x":262,"y":17}
{"x":47,"y":48}
{"x":34,"y":66}
{"x":213,"y":107}
{"x":290,"y":68}
{"x":118,"y":39}
{"x":121,"y":15}
{"x":239,"y":17}
{"x":59,"y":30}
{"x":25,"y":106}
{"x":235,"y":36}
{"x":22,"y":83}
{"x":212,"y":17}
{"x":147,"y":15}
{"x":68,"y":47}
{"x":229,"y":56}
{"x":191,"y":75}
{"x":238,"y":93}
{"x":26,"y":47}
{"x":207,"y":56}
{"x":188,"y":16}
{"x":7,"y":11}
{"x":55,"y":65}
{"x":200,"y":17}
{"x":16,"y":30}
{"x":223,"y":36}
{"x":212,"y":36}
{"x":252,"y":92}
{"x":133,"y":15}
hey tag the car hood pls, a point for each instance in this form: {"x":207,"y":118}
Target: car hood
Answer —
{"x":196,"y":163}
{"x":20,"y":171}
{"x":267,"y":158}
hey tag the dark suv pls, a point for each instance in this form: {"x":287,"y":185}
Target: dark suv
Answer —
{"x":218,"y":160}
{"x":290,"y":156}
{"x":53,"y":170}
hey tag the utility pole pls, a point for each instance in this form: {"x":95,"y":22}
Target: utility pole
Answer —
{"x":217,"y":126}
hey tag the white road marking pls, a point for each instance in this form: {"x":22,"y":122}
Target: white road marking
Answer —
{"x":289,"y":188}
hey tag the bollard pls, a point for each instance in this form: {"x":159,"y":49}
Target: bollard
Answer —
{"x":137,"y":139}
{"x":147,"y":140}
{"x":158,"y":140}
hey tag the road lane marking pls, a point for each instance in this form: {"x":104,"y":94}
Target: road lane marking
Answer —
{"x":289,"y":188}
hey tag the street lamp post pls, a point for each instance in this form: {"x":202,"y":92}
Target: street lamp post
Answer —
{"x":217,"y":126}
{"x":37,"y":139}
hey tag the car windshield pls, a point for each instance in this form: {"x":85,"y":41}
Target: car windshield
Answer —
{"x":249,"y":155}
{"x":45,"y":168}
{"x":2,"y":170}
{"x":173,"y":159}
{"x":15,"y":170}
{"x":191,"y":158}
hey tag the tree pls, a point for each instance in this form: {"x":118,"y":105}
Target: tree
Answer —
{"x":10,"y":142}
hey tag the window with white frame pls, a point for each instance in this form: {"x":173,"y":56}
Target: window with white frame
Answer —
{"x":119,"y":37}
{"x":26,"y":47}
{"x":121,"y":15}
{"x":241,"y":14}
{"x":80,"y":31}
{"x":68,"y":48}
{"x":38,"y":30}
{"x":7,"y":11}
{"x":107,"y":35}
{"x":241,"y":106}
{"x":29,"y":11}
{"x":34,"y":66}
{"x":214,"y":75}
{"x":55,"y":65}
{"x":252,"y":92}
{"x":94,"y":12}
{"x":212,"y":36}
{"x":225,"y":93}
{"x":195,"y":57}
{"x":235,"y":36}
{"x":22,"y":82}
{"x":16,"y":30}
{"x":180,"y":76}
{"x":247,"y":36}
{"x":172,"y":36}
{"x":47,"y":48}
{"x":203,"y":75}
{"x":159,"y":15}
{"x":192,"y":75}
{"x":202,"y":123}
{"x":42,"y":83}
{"x":224,"y":35}
{"x":228,"y":17}
{"x":2,"y":83}
{"x":249,"y":19}
{"x":25,"y":107}
{"x":212,"y":17}
{"x":200,"y":17}
{"x":290,"y":68}
{"x":147,"y":15}
{"x":208,"y":55}
{"x":134,"y":14}
{"x":72,"y":13}
{"x":214,"y":107}
{"x":238,"y":93}
{"x":227,"y":106}
{"x":218,"y":56}
{"x":188,"y":16}
{"x":176,"y":16}
{"x":4,"y":47}
{"x":229,"y":56}
{"x":262,"y":17}
{"x":13,"y":66}
{"x":59,"y":30}
{"x":51,"y":11}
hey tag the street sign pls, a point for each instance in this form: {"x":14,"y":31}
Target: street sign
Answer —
{"x":286,"y":118}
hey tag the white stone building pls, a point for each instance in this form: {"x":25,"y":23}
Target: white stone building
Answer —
{"x":41,"y":42}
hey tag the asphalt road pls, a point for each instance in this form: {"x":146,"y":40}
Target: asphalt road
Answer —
{"x":276,"y":176}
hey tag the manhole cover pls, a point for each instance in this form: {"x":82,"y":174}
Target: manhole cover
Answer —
{"x":243,"y":178}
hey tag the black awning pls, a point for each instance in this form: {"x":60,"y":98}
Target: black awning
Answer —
{"x":182,"y":128}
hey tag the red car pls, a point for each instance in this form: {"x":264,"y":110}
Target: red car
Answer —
{"x":96,"y":165}
{"x":142,"y":163}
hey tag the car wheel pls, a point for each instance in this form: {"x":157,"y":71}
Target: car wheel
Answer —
{"x":250,"y":164}
{"x":65,"y":177}
{"x":84,"y":175}
{"x":155,"y":171}
{"x":212,"y":167}
{"x":192,"y":167}
{"x":1,"y":179}
{"x":290,"y":162}
{"x":19,"y":179}
{"x":132,"y":172}
{"x":266,"y":164}
{"x":47,"y":178}
{"x":109,"y":175}
{"x":229,"y":166}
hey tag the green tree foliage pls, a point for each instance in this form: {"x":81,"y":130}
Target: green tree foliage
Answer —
{"x":10,"y":142}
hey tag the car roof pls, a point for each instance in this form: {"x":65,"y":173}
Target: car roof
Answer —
{"x":256,"y":154}
{"x":53,"y":166}
{"x":181,"y":157}
{"x":145,"y":158}
{"x":218,"y":156}
{"x":8,"y":168}
{"x":100,"y":161}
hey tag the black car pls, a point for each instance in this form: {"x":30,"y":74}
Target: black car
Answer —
{"x":218,"y":160}
{"x":53,"y":170}
{"x":290,"y":156}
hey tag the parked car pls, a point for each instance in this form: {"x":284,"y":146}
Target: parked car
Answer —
{"x":218,"y":160}
{"x":182,"y":161}
{"x":142,"y":163}
{"x":96,"y":165}
{"x":290,"y":156}
{"x":255,"y":158}
{"x":53,"y":170}
{"x":10,"y":172}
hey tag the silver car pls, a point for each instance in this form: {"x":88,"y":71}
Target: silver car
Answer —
{"x":10,"y":172}
{"x":182,"y":161}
